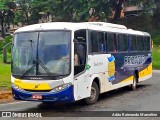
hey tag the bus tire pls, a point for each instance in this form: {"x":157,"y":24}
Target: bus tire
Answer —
{"x":94,"y":94}
{"x":134,"y":85}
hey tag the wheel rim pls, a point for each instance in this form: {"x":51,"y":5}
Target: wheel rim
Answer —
{"x":93,"y":93}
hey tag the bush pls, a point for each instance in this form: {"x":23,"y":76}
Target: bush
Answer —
{"x":5,"y":41}
{"x":1,"y":46}
{"x":156,"y":39}
{"x":156,"y":57}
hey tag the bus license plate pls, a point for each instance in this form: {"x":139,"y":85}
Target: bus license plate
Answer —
{"x":37,"y":97}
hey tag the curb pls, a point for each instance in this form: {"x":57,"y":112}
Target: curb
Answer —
{"x":5,"y":92}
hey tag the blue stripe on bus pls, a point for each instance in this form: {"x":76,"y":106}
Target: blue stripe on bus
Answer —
{"x":65,"y":95}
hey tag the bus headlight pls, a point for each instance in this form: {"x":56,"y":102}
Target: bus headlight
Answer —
{"x":61,"y":87}
{"x":17,"y":87}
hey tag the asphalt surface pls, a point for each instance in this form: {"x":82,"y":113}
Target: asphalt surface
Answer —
{"x":145,"y":98}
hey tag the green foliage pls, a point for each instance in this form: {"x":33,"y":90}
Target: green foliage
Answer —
{"x":1,"y":46}
{"x":156,"y":57}
{"x":6,"y":40}
{"x":18,"y":17}
{"x":29,"y":11}
{"x":156,"y":39}
{"x":5,"y":76}
{"x":2,"y":6}
{"x":60,"y":10}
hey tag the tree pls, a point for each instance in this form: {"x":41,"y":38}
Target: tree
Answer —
{"x":6,"y":16}
{"x":117,"y":7}
{"x":24,"y":7}
{"x":67,"y":10}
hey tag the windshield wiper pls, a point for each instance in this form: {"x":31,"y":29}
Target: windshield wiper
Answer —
{"x":27,"y":71}
{"x":46,"y":69}
{"x":36,"y":62}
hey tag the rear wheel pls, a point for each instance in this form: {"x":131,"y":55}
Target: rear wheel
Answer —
{"x":94,"y":94}
{"x":134,"y":85}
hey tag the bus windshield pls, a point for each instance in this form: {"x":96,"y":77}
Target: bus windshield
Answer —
{"x":44,"y":53}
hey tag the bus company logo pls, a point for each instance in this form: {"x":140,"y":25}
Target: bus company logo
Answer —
{"x":134,"y":60}
{"x":36,"y":86}
{"x":111,"y":68}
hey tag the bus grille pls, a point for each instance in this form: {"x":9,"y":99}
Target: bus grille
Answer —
{"x":37,"y":90}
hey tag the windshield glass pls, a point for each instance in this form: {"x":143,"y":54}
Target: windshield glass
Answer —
{"x":24,"y":52}
{"x":54,"y":52}
{"x":41,"y":53}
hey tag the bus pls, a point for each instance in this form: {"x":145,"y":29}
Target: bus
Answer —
{"x":67,"y":62}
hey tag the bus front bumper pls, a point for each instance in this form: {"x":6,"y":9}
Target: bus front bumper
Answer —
{"x":65,"y":95}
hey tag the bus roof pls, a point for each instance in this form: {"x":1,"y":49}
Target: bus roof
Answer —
{"x":99,"y":26}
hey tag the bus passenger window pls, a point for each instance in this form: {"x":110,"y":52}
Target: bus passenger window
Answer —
{"x":97,"y":42}
{"x":115,"y":43}
{"x":132,"y":41}
{"x":94,"y":41}
{"x":105,"y":38}
{"x":122,"y":42}
{"x":101,"y":42}
{"x":147,"y":43}
{"x":140,"y":43}
{"x":111,"y":43}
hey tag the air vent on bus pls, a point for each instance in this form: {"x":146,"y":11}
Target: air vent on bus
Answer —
{"x":37,"y":90}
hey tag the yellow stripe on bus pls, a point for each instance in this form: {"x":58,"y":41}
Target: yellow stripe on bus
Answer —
{"x":128,"y":79}
{"x":146,"y":71}
{"x":143,"y":73}
{"x":31,"y":85}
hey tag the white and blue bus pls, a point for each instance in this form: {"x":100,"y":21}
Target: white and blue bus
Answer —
{"x":66,"y":62}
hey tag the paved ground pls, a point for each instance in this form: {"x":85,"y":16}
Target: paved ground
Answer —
{"x":145,"y":98}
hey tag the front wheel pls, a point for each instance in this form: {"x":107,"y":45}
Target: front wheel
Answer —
{"x":94,"y":94}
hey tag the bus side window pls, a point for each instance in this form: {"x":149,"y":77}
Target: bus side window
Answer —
{"x":132,"y":41}
{"x":115,"y":43}
{"x":94,"y":42}
{"x":147,"y":42}
{"x":111,"y":43}
{"x":101,"y":42}
{"x":140,"y":43}
{"x":122,"y":42}
{"x":106,"y":40}
{"x":97,"y":42}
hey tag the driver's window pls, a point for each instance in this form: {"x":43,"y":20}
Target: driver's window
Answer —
{"x":79,"y":51}
{"x":76,"y":57}
{"x":79,"y":54}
